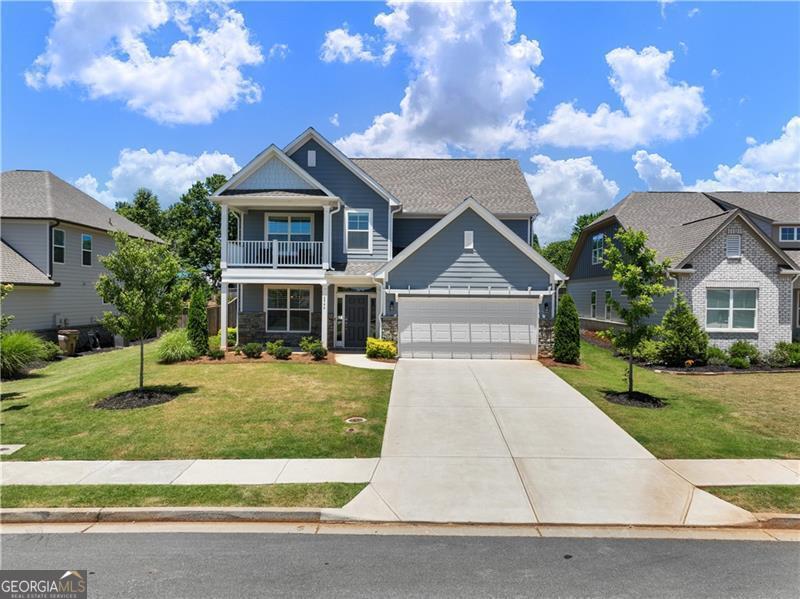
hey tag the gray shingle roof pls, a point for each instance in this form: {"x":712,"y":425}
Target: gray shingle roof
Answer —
{"x":677,"y":222}
{"x":16,"y":269}
{"x":358,"y":267}
{"x":436,"y":186}
{"x":40,"y":194}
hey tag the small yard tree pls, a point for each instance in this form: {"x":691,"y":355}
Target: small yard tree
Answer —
{"x":682,"y":338}
{"x":143,"y":285}
{"x":641,"y":278}
{"x":567,"y":331}
{"x":198,"y":321}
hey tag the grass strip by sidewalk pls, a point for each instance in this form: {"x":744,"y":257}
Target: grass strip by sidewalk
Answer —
{"x":284,"y":495}
{"x":729,"y":416}
{"x":783,"y":499}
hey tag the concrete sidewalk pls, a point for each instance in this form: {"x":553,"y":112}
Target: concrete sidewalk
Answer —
{"x":723,"y":473}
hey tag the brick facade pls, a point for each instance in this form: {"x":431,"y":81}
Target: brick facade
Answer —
{"x":757,"y":269}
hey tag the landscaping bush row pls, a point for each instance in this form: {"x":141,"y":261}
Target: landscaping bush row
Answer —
{"x":177,"y":346}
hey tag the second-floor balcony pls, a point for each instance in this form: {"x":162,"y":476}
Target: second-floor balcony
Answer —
{"x":275,"y":254}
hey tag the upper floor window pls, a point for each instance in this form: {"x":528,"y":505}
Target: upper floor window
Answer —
{"x":289,"y":227}
{"x":358,"y":231}
{"x":597,"y":248}
{"x":59,"y":246}
{"x":731,"y":308}
{"x":790,"y":234}
{"x":733,"y":246}
{"x":86,"y":249}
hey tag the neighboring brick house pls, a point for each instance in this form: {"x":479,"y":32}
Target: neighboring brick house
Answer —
{"x":735,"y":256}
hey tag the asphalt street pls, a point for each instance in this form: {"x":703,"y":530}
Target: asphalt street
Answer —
{"x":202,"y":565}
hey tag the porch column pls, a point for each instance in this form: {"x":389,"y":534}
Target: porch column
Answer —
{"x":223,"y":317}
{"x":224,"y":236}
{"x":323,"y":334}
{"x":326,"y":236}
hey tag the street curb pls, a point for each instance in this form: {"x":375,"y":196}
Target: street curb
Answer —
{"x":275,"y":514}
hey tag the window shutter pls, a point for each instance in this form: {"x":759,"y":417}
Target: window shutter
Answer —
{"x":733,"y":246}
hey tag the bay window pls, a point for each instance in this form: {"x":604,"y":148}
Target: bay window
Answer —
{"x":288,"y":309}
{"x":731,"y":309}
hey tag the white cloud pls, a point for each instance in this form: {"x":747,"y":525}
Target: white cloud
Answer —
{"x":750,"y":140}
{"x":565,"y":189}
{"x":334,"y":119}
{"x":342,"y":46}
{"x":657,"y":172}
{"x":655,"y":108}
{"x":715,"y":73}
{"x":663,"y":7}
{"x":102,"y":47}
{"x":693,"y":12}
{"x":471,"y":81}
{"x":278,"y":51}
{"x":684,"y":47}
{"x":771,"y":166}
{"x":167,"y":174}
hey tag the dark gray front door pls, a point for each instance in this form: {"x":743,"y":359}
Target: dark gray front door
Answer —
{"x":355,"y":320}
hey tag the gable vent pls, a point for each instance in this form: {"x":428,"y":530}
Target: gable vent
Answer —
{"x":312,"y":158}
{"x":733,"y":246}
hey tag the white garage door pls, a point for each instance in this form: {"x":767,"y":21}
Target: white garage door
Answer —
{"x":450,"y":327}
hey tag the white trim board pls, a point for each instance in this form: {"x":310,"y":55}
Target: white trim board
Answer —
{"x":496,"y":223}
{"x":312,"y":133}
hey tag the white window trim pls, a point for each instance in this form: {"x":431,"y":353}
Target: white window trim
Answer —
{"x":795,"y":234}
{"x":593,"y":303}
{"x":54,"y":246}
{"x":797,"y":322}
{"x":347,"y":249}
{"x":728,"y":238}
{"x":729,"y":328}
{"x":606,"y":306}
{"x":267,"y":216}
{"x":91,"y":251}
{"x":288,"y":289}
{"x":597,"y":257}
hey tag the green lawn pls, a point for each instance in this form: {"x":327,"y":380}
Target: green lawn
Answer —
{"x":290,"y":495}
{"x":782,"y":499}
{"x":732,"y":416}
{"x":259,"y":410}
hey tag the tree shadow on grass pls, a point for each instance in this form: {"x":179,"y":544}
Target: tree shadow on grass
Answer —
{"x":17,"y":407}
{"x":8,"y":396}
{"x":148,"y":396}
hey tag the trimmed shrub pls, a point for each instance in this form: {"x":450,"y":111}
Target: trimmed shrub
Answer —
{"x":282,"y":352}
{"x":18,"y":350}
{"x":567,"y":332}
{"x":272,"y":346}
{"x":51,"y":351}
{"x":792,"y":351}
{"x":252,"y":350}
{"x":681,"y":338}
{"x":307,"y":342}
{"x":715,"y":353}
{"x":176,"y":347}
{"x":317,"y":351}
{"x":738,"y":362}
{"x":231,"y":336}
{"x":216,"y":354}
{"x":214,"y":342}
{"x":777,"y":358}
{"x":381,"y":348}
{"x":198,"y":321}
{"x":745,"y":350}
{"x":649,"y":352}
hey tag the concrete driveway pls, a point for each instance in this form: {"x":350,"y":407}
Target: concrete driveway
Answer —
{"x":509,"y":441}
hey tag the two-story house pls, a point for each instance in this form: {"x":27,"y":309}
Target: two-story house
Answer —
{"x":52,"y":236}
{"x":735,"y":256}
{"x":433,"y":253}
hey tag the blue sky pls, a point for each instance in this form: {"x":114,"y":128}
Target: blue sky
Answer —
{"x":113,"y":96}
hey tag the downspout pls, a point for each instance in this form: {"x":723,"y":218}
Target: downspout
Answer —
{"x":392,"y":212}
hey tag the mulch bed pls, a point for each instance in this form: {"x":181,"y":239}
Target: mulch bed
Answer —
{"x":232,"y":358}
{"x":128,"y":400}
{"x":550,"y":362}
{"x":636,"y":399}
{"x":595,"y":339}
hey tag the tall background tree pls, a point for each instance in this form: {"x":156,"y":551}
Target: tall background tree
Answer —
{"x":144,"y":210}
{"x":641,"y":278}
{"x":143,"y":285}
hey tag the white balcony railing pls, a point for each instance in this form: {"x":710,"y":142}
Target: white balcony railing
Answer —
{"x":275,"y":254}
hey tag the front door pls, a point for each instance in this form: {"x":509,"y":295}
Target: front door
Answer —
{"x":355,"y":320}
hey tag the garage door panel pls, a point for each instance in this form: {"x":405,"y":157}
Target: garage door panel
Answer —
{"x":499,"y":328}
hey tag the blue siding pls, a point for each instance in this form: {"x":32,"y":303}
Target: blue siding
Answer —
{"x":255,"y":227}
{"x":355,"y":194}
{"x":252,"y":298}
{"x":406,"y":230}
{"x":583,"y":267}
{"x":581,"y":292}
{"x":443,"y":261}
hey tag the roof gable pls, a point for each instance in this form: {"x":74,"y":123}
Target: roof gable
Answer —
{"x":16,"y":269}
{"x":493,"y":221}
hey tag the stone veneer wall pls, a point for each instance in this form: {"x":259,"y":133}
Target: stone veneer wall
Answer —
{"x":756,"y":269}
{"x":389,"y":328}
{"x":252,"y":328}
{"x":546,"y":337}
